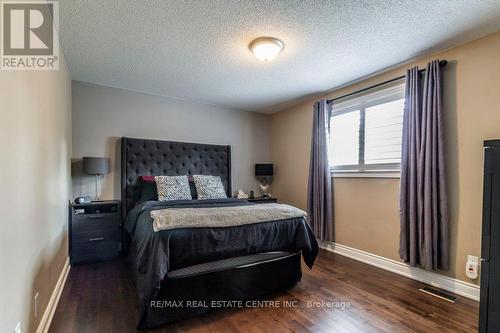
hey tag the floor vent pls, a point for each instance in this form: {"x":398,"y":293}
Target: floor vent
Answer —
{"x":439,"y":294}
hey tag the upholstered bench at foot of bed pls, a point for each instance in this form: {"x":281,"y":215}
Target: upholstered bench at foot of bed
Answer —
{"x":194,"y":290}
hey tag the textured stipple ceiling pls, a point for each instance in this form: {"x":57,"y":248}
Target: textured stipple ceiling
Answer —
{"x":198,"y":49}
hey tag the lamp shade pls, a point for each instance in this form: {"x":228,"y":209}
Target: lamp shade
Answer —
{"x":95,"y":165}
{"x":263,"y":169}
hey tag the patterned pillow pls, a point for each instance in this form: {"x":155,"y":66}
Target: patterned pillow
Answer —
{"x":173,"y":188}
{"x":209,"y":187}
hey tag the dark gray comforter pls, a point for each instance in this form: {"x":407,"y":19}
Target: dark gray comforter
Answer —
{"x":154,"y":254}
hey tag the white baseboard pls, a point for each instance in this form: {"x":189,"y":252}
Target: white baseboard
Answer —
{"x":43,"y":326}
{"x":458,"y":287}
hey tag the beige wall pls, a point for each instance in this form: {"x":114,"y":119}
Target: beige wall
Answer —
{"x":35,"y":151}
{"x":101,"y":115}
{"x":366,"y":210}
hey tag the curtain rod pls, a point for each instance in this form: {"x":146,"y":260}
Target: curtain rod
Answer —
{"x":442,"y":63}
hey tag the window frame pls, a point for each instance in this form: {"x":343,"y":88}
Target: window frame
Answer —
{"x":361,"y":103}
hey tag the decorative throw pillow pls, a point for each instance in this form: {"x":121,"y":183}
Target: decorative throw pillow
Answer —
{"x":209,"y":187}
{"x":173,"y":188}
{"x":149,"y":192}
{"x":147,"y":185}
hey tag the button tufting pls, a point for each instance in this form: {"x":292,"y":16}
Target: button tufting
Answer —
{"x":171,"y":158}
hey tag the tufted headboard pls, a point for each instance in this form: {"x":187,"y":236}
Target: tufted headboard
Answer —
{"x":141,"y":157}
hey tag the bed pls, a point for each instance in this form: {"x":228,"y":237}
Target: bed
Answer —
{"x":184,"y":272}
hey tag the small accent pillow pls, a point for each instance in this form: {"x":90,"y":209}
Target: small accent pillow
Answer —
{"x":173,"y":188}
{"x":149,"y":192}
{"x":209,"y":187}
{"x":148,"y":188}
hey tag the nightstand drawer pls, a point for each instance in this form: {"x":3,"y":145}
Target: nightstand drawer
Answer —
{"x":93,"y":247}
{"x":96,"y":223}
{"x":84,"y":236}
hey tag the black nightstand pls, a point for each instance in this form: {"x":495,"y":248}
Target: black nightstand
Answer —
{"x":262,"y":200}
{"x":94,"y":231}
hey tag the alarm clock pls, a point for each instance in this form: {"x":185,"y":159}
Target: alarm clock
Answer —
{"x":83,"y":200}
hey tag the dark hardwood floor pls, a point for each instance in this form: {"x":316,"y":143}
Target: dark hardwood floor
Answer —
{"x":101,"y":298}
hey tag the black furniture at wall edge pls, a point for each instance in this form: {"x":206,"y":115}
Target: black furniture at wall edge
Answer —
{"x":489,"y":310}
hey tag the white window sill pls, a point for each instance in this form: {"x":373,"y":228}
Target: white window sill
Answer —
{"x":365,"y":174}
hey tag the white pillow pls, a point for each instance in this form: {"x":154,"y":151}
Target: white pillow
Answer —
{"x":209,"y":187}
{"x":173,"y":188}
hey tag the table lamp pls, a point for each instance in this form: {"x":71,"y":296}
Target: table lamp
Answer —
{"x":264,"y":172}
{"x":95,"y":166}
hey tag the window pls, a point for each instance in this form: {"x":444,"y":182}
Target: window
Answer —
{"x":366,"y":132}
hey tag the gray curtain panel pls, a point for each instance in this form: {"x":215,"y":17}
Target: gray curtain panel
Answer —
{"x":423,"y":197}
{"x":319,"y":191}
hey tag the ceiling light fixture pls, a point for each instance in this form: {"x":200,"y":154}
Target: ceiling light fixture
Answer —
{"x":266,"y":48}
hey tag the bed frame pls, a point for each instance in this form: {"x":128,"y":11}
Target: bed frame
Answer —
{"x":233,"y":279}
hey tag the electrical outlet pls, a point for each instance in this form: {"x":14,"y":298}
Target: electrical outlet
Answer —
{"x":18,"y":328}
{"x":35,"y":302}
{"x":471,"y":267}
